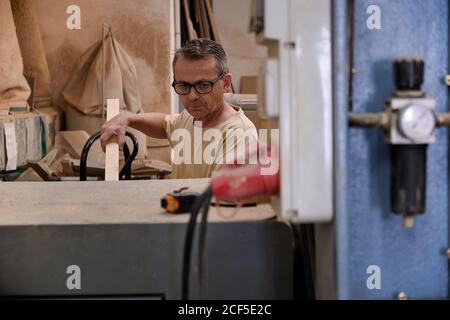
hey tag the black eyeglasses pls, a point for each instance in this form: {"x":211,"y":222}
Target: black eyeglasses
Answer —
{"x":202,"y":87}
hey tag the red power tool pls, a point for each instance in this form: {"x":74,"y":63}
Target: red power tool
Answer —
{"x":246,"y":181}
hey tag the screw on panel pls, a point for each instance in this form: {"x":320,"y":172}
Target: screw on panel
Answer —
{"x":408,"y":222}
{"x":448,"y":253}
{"x":447,"y":80}
{"x":402,"y":296}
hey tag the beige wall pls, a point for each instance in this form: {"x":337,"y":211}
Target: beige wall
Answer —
{"x":141,"y":26}
{"x":244,"y":55}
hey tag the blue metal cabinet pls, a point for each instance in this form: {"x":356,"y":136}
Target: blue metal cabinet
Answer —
{"x":413,"y":260}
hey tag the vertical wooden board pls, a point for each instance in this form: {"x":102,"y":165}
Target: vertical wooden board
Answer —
{"x":204,"y":19}
{"x":112,"y":148}
{"x":190,"y":27}
{"x":212,"y":21}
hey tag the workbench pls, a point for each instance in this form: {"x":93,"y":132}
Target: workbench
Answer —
{"x":125,"y":245}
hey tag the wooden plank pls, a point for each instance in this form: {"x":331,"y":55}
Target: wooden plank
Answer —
{"x":204,"y":19}
{"x":112,"y":147}
{"x":202,"y":25}
{"x":196,"y":21}
{"x":190,"y":27}
{"x":214,"y":29}
{"x":212,"y":21}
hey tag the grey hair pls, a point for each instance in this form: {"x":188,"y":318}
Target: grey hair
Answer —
{"x":198,"y":49}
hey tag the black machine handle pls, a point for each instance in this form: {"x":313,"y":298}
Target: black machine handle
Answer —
{"x":125,"y":173}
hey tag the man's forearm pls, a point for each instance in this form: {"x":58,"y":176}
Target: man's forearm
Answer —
{"x":152,"y":123}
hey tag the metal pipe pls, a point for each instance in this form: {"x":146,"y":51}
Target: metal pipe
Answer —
{"x":340,"y":102}
{"x":369,"y":120}
{"x":443,"y":119}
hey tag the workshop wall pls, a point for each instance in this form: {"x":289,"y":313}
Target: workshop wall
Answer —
{"x":245,"y":56}
{"x":141,"y":26}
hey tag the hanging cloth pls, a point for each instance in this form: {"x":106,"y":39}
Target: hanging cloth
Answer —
{"x":84,"y":87}
{"x":14,"y":89}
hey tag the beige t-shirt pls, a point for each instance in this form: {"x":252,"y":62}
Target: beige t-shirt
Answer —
{"x":198,"y":152}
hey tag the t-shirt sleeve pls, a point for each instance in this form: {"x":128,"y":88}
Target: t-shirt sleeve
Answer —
{"x":171,"y":122}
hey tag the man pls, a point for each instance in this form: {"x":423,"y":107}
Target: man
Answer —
{"x":201,"y":78}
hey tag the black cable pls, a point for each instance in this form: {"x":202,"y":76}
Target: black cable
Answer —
{"x":311,"y":252}
{"x":198,"y":204}
{"x":84,"y":154}
{"x":304,"y":262}
{"x":233,"y":205}
{"x":187,"y":249}
{"x":125,"y":173}
{"x":202,"y":251}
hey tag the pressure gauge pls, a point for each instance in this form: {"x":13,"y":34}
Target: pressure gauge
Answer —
{"x":417,"y":122}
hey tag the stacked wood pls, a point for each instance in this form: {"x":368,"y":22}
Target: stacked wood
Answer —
{"x":199,"y":21}
{"x":33,"y":136}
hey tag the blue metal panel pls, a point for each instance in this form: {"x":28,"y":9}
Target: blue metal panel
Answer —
{"x":340,"y":103}
{"x":411,"y":260}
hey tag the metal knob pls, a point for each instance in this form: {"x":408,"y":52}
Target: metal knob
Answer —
{"x":408,"y":73}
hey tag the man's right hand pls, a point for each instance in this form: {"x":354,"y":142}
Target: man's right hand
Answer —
{"x":116,"y":127}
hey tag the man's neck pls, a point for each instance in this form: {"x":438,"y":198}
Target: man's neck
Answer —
{"x":221,"y":114}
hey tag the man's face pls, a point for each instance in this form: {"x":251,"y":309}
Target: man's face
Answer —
{"x":193,"y":71}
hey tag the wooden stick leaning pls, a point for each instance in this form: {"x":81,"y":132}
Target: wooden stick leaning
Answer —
{"x":212,"y":21}
{"x":112,"y":147}
{"x":190,"y":27}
